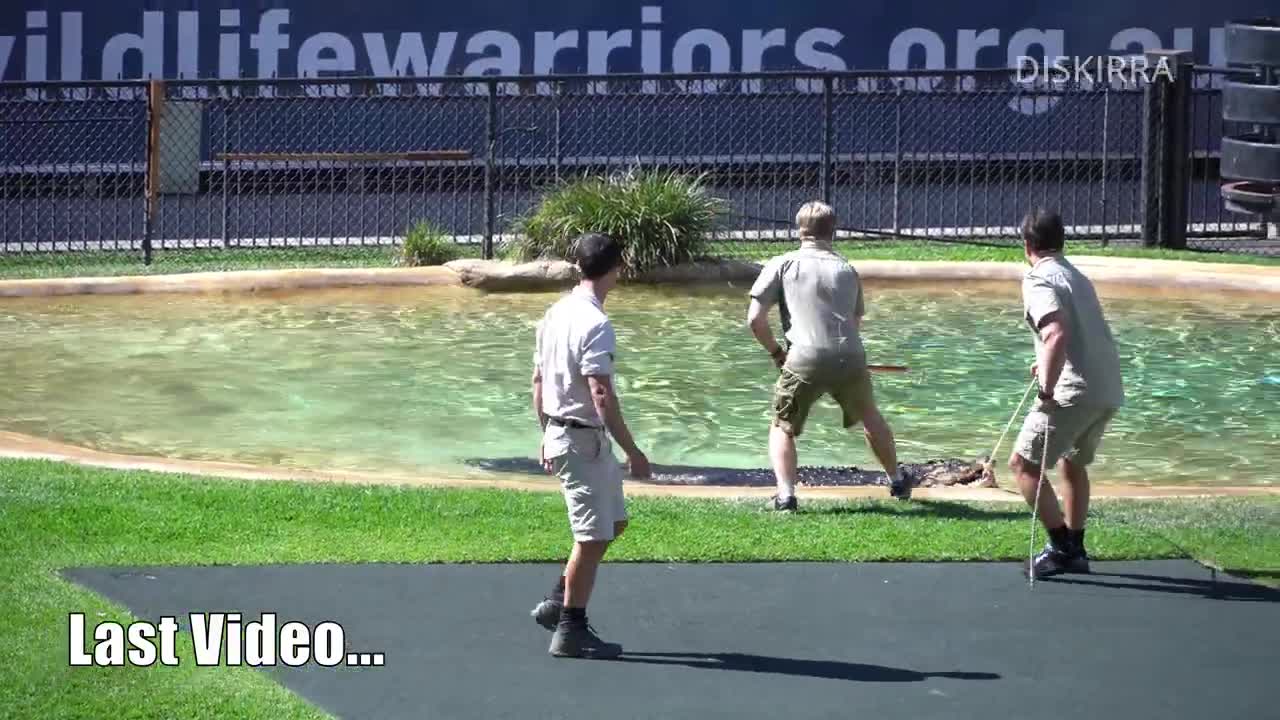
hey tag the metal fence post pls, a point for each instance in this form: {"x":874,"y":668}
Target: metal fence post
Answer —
{"x":827,"y":138}
{"x":1152,"y":159}
{"x":491,"y":135}
{"x":226,"y":176}
{"x":555,"y":108}
{"x":1106,"y":120}
{"x":1166,"y":123}
{"x":155,"y":101}
{"x":897,"y":157}
{"x":1178,"y":176}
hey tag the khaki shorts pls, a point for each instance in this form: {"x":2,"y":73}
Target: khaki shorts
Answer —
{"x":1075,"y":431}
{"x":591,"y":479}
{"x":794,"y":396}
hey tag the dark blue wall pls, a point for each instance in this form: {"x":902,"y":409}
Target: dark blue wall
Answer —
{"x":188,"y":38}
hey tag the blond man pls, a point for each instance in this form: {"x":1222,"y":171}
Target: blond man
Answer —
{"x":820,"y":299}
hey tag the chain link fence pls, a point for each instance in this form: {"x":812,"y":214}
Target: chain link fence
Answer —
{"x":1221,"y":229}
{"x":227,"y":174}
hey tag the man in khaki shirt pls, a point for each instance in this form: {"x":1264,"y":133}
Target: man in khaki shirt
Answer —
{"x":1078,"y":369}
{"x":820,"y":298}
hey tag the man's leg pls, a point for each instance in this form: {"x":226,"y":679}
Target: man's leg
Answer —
{"x":1075,"y":470}
{"x":782,"y":456}
{"x":1027,"y":475}
{"x":547,"y":612}
{"x":856,"y":398}
{"x":792,"y":398}
{"x":580,"y":573}
{"x":1075,"y":498}
{"x":594,"y":499}
{"x":880,"y":438}
{"x":1026,"y":463}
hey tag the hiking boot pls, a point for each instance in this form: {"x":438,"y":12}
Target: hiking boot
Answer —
{"x":547,"y":613}
{"x":788,"y":505}
{"x":900,"y":489}
{"x":1052,"y":561}
{"x":581,"y":641}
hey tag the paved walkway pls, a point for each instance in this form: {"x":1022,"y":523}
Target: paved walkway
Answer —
{"x":1161,"y":640}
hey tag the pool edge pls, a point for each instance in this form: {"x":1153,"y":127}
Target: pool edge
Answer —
{"x":18,"y":446}
{"x":242,"y":281}
{"x":1178,"y":277}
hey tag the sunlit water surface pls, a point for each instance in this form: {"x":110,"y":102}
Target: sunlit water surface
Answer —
{"x":419,"y":380}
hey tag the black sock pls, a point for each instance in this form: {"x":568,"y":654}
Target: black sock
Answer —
{"x":1061,"y":538}
{"x":557,"y":593}
{"x":1077,"y":541}
{"x":573,"y":616}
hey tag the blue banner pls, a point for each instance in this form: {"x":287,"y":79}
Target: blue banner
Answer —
{"x":123,"y":39}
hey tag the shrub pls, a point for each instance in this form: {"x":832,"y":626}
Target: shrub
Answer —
{"x":425,"y":244}
{"x":661,"y":218}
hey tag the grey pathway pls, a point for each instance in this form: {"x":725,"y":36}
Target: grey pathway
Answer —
{"x":1135,"y":640}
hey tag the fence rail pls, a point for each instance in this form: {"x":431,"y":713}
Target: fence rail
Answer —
{"x":167,"y":167}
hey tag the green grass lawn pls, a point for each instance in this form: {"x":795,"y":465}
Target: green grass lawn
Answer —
{"x":54,"y":516}
{"x":107,"y":264}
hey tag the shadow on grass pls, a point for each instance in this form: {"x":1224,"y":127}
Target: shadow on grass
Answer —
{"x":919,"y":508}
{"x":825,"y":669}
{"x":810,"y":476}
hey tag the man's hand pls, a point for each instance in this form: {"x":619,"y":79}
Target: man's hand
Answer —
{"x":1035,"y":367}
{"x":542,"y":458}
{"x":640,"y":469}
{"x":779,"y":356}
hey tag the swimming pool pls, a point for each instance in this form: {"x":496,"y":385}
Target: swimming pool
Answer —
{"x":416,"y":380}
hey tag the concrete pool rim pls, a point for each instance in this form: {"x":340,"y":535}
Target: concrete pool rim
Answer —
{"x":26,"y":447}
{"x":1177,"y":277}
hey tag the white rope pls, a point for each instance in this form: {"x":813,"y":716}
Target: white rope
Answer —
{"x":1044,"y":468}
{"x":992,"y":457}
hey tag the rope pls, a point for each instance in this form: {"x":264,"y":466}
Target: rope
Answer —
{"x":992,"y":457}
{"x":1035,"y":509}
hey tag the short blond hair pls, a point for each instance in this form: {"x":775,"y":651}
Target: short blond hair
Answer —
{"x":816,"y":220}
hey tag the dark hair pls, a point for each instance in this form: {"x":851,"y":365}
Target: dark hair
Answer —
{"x":597,"y":255}
{"x":1042,"y":230}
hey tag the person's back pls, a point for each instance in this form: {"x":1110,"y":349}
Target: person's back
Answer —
{"x":1091,"y":374}
{"x":574,"y":338}
{"x":820,"y":298}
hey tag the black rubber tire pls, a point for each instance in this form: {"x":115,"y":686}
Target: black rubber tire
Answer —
{"x":1247,"y":157}
{"x":1251,"y":198}
{"x":1251,"y":103}
{"x":1255,"y":41}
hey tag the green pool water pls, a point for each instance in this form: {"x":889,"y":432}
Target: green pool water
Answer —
{"x":420,"y":379}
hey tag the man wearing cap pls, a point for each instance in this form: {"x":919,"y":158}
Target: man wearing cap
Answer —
{"x":578,"y":410}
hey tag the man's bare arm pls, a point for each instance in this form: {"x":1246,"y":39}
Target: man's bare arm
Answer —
{"x":607,"y":405}
{"x":758,"y":321}
{"x":1053,"y":351}
{"x":537,"y":399}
